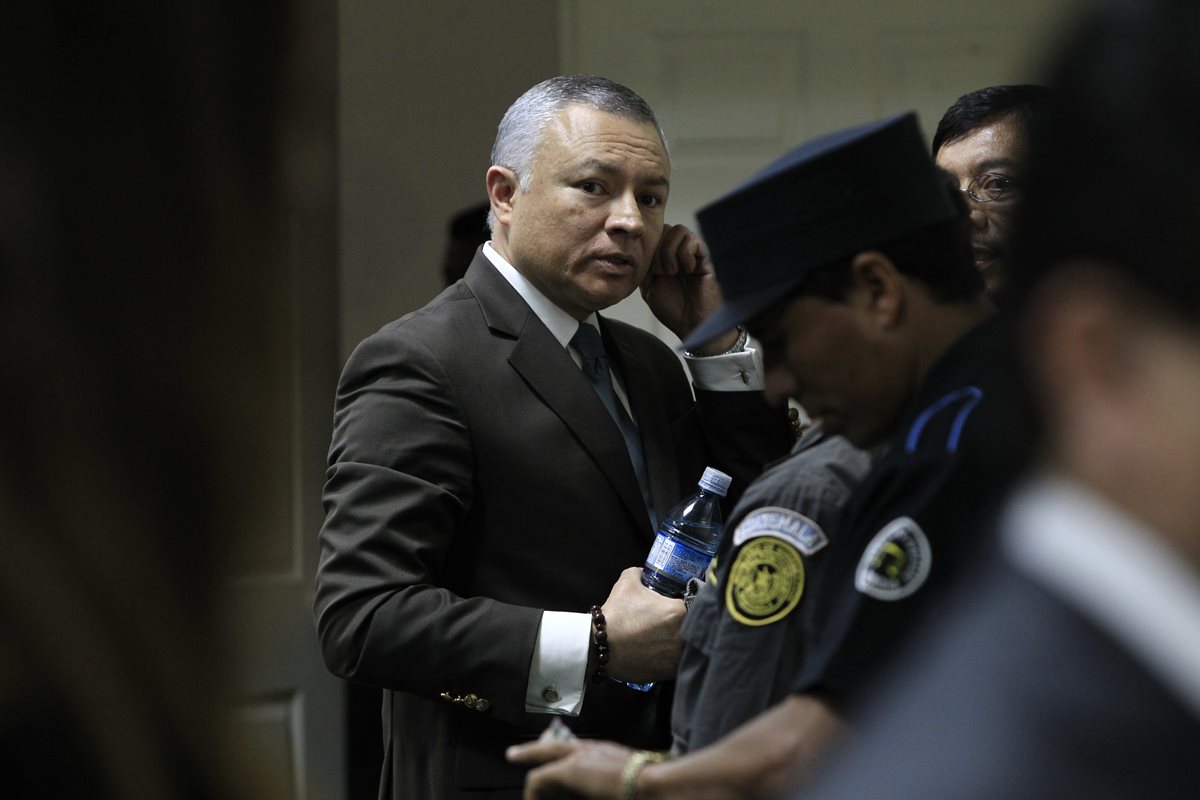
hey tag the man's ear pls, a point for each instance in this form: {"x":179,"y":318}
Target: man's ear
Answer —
{"x":877,"y":287}
{"x":502,"y":189}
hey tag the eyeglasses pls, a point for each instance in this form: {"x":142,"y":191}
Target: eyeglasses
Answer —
{"x":991,"y":187}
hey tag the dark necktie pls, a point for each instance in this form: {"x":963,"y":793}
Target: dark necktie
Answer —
{"x":588,"y":344}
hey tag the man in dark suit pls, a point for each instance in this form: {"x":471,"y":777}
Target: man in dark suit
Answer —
{"x":1069,"y":664}
{"x":484,"y":492}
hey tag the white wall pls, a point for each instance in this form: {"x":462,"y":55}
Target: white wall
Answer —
{"x":423,"y":85}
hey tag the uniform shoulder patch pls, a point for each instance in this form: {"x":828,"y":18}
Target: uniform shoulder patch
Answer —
{"x":783,"y":523}
{"x":766,"y":580}
{"x":896,"y":562}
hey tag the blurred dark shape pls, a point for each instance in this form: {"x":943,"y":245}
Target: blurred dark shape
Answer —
{"x":139,"y":224}
{"x":467,"y":230}
{"x":1121,"y":136}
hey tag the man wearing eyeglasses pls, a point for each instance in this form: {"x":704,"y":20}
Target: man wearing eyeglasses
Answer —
{"x":981,"y":140}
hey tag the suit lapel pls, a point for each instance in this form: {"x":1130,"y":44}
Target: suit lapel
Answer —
{"x":552,"y":375}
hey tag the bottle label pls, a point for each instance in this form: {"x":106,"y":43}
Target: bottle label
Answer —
{"x":676,"y":561}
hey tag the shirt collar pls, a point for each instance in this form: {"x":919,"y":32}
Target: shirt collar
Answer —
{"x":561,"y":324}
{"x":1115,"y":570}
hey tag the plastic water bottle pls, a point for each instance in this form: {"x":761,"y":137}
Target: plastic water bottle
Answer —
{"x":686,"y":542}
{"x":687,"y":538}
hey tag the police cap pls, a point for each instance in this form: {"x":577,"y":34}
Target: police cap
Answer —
{"x":825,"y":200}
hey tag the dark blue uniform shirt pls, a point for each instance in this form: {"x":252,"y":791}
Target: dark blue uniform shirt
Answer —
{"x":916,"y":518}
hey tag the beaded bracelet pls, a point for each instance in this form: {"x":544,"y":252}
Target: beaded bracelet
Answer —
{"x":601,"y":645}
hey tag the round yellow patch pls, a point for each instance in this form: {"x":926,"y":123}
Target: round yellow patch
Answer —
{"x":765,"y":582}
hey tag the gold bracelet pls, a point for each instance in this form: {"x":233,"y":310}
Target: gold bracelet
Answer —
{"x":633,"y":768}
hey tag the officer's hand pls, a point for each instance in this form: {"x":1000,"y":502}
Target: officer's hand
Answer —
{"x":643,"y":630}
{"x":578,"y":769}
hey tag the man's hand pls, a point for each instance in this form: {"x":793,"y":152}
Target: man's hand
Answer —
{"x":577,"y":769}
{"x":681,"y":288}
{"x":643,"y":630}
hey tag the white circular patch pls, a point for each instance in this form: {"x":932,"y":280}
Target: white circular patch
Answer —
{"x":896,"y":562}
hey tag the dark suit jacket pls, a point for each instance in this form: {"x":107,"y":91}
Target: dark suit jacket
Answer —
{"x":475,"y":479}
{"x":1016,"y":694}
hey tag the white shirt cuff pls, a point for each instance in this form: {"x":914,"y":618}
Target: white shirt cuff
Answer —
{"x":558,"y":673}
{"x":735,"y":372}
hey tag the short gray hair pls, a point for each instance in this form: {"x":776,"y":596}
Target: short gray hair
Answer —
{"x":520,"y":131}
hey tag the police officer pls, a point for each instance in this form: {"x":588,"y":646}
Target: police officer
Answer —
{"x":984,"y":131}
{"x":890,"y":343}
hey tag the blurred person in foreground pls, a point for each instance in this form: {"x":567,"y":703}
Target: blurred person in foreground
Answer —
{"x":500,"y":458}
{"x":850,"y":260}
{"x":1069,"y":666}
{"x":137,"y":213}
